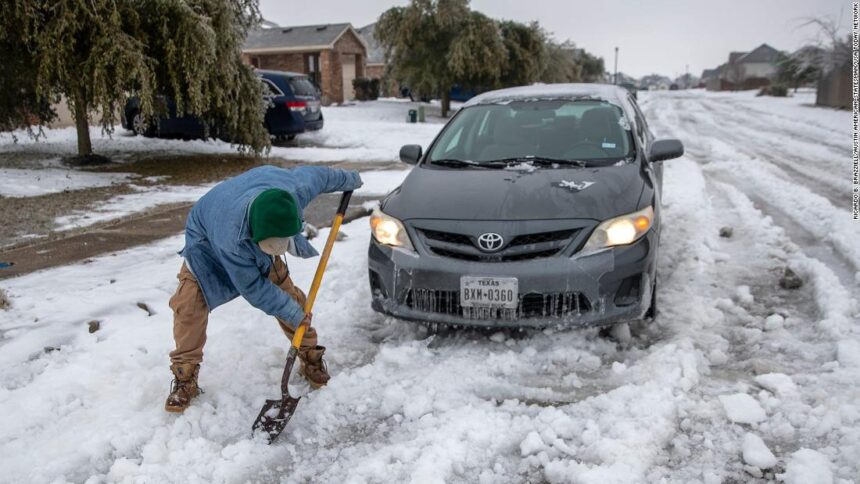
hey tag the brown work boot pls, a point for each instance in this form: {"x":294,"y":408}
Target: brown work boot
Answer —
{"x":313,"y":367}
{"x":184,"y":387}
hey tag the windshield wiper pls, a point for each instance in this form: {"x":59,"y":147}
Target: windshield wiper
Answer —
{"x":455,"y":163}
{"x":541,"y":160}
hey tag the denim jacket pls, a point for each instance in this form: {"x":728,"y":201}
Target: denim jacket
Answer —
{"x":218,"y":246}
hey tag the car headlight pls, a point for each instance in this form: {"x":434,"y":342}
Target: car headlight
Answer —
{"x":622,"y":230}
{"x":387,"y":230}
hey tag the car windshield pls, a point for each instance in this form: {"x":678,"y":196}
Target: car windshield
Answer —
{"x":301,"y":86}
{"x":585,"y":132}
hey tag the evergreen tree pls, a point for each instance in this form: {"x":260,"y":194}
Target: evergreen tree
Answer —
{"x":560,"y":65}
{"x":99,"y":52}
{"x":20,"y":105}
{"x":592,"y":67}
{"x":527,"y":53}
{"x":431,"y":45}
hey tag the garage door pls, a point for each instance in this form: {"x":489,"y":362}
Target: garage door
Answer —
{"x":348,"y":66}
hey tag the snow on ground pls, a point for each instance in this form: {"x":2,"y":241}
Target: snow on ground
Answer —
{"x":380,"y":182}
{"x":465,"y":406}
{"x":121,"y":206}
{"x":365,"y":131}
{"x":371,"y":131}
{"x":376,"y":182}
{"x":15,"y":182}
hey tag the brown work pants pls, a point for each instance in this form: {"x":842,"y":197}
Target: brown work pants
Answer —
{"x":191,"y":315}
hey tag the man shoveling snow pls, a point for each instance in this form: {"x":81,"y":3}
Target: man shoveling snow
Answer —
{"x":234,"y":237}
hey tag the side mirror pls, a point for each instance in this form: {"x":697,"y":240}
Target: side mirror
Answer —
{"x":665,"y":149}
{"x":410,"y":154}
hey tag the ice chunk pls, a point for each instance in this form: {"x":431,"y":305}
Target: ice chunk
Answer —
{"x":717,"y":357}
{"x":774,"y":321}
{"x":807,"y":466}
{"x":777,"y":383}
{"x":756,"y":453}
{"x":522,"y":166}
{"x":532,"y":444}
{"x":743,"y":295}
{"x":742,"y":408}
{"x":848,"y":353}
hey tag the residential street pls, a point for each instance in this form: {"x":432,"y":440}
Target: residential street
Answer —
{"x":732,"y":362}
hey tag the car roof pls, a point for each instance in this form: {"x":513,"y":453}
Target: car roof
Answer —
{"x":270,"y":73}
{"x":605,"y":92}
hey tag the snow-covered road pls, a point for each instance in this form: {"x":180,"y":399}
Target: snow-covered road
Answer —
{"x":737,"y":379}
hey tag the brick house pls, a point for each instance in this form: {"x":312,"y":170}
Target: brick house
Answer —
{"x":332,"y":55}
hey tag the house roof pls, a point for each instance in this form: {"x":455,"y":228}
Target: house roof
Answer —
{"x":375,"y":52}
{"x":708,"y":73}
{"x":733,"y":56}
{"x":297,"y":38}
{"x":761,"y":54}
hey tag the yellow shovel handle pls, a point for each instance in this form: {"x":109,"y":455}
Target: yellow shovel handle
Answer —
{"x":312,"y":294}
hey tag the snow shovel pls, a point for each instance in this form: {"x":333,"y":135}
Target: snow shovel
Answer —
{"x":276,"y":413}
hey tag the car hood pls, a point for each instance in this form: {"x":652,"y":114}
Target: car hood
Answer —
{"x":526,"y":193}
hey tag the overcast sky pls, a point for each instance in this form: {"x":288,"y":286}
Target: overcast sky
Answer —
{"x":653,"y":36}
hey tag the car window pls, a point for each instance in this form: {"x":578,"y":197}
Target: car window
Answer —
{"x":301,"y":86}
{"x":586,"y":130}
{"x":641,"y":125}
{"x":271,"y":89}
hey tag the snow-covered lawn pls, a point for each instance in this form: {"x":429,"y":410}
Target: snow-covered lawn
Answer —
{"x":119,"y":206}
{"x":17,"y":182}
{"x":737,"y":380}
{"x":363,"y":131}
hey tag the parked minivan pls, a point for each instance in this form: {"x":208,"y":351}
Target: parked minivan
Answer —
{"x":294,"y":109}
{"x":534,"y":206}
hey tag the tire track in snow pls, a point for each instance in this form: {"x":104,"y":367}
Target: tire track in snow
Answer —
{"x":720,"y":133}
{"x":811,"y":218}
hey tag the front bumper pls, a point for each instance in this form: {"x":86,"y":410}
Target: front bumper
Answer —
{"x":603,"y":288}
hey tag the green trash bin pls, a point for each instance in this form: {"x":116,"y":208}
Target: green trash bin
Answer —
{"x":412,"y":116}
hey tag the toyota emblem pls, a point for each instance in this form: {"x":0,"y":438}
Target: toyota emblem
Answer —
{"x":490,"y":242}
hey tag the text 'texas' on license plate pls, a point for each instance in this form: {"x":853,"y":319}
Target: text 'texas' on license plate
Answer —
{"x":489,"y":292}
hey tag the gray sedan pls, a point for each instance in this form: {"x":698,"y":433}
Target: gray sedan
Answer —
{"x":535,"y":206}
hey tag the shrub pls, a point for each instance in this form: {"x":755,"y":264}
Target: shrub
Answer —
{"x":366,"y":89}
{"x":776,"y":90}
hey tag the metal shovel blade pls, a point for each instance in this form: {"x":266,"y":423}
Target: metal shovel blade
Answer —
{"x":276,"y":413}
{"x":274,"y":416}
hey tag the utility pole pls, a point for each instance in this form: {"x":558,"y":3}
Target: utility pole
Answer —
{"x":615,"y":76}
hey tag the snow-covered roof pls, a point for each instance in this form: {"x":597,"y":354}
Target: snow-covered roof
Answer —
{"x":375,"y":52}
{"x":608,"y":92}
{"x":301,"y":37}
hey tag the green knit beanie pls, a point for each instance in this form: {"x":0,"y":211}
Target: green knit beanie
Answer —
{"x":274,"y":213}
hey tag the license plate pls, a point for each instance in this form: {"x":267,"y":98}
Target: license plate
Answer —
{"x":489,"y":292}
{"x":314,"y":106}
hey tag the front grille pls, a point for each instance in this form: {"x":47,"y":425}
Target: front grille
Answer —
{"x":542,"y":237}
{"x":493,"y":257}
{"x":520,"y":248}
{"x":449,"y":237}
{"x":531,"y":305}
